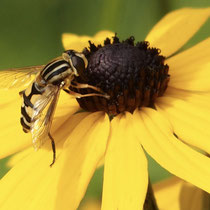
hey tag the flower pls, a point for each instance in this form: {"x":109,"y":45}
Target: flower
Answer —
{"x":180,"y":195}
{"x":180,"y":120}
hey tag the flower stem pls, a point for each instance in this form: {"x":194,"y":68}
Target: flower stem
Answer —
{"x":206,"y":201}
{"x":150,"y":202}
{"x":206,"y":196}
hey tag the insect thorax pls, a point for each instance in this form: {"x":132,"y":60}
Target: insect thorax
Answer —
{"x":56,"y":72}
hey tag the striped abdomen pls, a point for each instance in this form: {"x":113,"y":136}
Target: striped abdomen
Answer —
{"x":56,"y":71}
{"x":29,"y":95}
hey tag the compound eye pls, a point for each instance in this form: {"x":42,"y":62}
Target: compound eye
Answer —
{"x":70,"y":52}
{"x":78,"y":63}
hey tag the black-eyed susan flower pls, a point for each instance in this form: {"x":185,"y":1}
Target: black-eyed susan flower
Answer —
{"x":158,"y":104}
{"x":179,"y":194}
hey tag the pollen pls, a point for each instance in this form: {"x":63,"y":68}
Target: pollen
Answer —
{"x":133,"y":75}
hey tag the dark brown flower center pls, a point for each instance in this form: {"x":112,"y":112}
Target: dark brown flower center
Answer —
{"x":134,"y":75}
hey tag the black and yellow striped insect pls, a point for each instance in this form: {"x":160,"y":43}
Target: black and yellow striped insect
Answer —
{"x":41,"y":96}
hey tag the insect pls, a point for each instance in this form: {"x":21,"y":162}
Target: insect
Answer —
{"x":41,"y":96}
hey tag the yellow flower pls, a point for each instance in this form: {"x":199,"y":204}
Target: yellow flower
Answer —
{"x":175,"y":194}
{"x":179,"y":194}
{"x":180,"y":120}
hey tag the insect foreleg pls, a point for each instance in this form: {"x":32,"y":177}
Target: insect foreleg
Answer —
{"x":83,"y":86}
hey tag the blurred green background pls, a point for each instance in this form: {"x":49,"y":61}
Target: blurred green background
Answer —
{"x":31,"y":35}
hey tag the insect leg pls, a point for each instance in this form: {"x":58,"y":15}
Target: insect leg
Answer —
{"x":80,"y":86}
{"x":53,"y":148}
{"x":77,"y":95}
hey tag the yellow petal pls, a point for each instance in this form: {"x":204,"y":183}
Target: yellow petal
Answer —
{"x":179,"y":194}
{"x":189,"y":115}
{"x":189,"y":70}
{"x":32,"y":184}
{"x":156,"y":135}
{"x":83,"y":150}
{"x":12,"y":137}
{"x":169,"y":189}
{"x":19,"y":156}
{"x":67,"y":106}
{"x":125,"y":170}
{"x":72,"y":41}
{"x":101,"y":36}
{"x":176,"y":28}
{"x":66,"y":103}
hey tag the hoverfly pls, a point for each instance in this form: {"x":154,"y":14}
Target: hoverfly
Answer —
{"x":41,"y":96}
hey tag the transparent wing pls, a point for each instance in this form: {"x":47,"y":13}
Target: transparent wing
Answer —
{"x":42,"y":115}
{"x":14,"y":78}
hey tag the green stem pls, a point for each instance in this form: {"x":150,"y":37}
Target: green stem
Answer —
{"x":150,"y":202}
